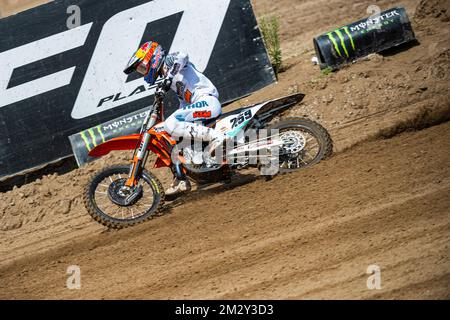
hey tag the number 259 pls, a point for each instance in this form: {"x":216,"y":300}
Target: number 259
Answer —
{"x":247,"y":115}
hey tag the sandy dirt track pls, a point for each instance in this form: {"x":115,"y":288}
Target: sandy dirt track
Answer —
{"x":309,"y":234}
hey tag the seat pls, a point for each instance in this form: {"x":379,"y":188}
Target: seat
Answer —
{"x":212,"y":122}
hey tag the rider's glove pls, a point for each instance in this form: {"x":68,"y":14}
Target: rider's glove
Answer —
{"x":165,"y":85}
{"x":159,"y":93}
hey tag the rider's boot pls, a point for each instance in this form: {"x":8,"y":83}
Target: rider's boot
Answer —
{"x":178,"y":187}
{"x":180,"y":182}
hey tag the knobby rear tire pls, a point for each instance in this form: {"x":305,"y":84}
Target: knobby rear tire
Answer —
{"x":321,"y":134}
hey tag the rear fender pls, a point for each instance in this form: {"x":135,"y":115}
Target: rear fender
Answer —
{"x":235,"y":121}
{"x":274,"y":107}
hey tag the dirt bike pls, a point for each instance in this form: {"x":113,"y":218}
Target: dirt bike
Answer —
{"x":122,"y":196}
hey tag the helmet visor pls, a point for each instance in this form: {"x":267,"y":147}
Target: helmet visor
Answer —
{"x":142,"y":68}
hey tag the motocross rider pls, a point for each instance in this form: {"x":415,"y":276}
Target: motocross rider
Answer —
{"x":197,"y":95}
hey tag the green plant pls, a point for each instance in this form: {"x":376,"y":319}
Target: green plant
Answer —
{"x":270,"y":28}
{"x":327,"y":71}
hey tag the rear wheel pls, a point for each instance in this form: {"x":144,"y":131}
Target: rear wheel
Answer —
{"x":305,"y":143}
{"x":117,"y":206}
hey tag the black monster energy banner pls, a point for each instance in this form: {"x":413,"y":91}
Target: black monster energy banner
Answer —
{"x":377,"y":33}
{"x":58,"y":79}
{"x":86,"y":140}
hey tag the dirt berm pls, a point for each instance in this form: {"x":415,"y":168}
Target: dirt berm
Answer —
{"x":382,"y":199}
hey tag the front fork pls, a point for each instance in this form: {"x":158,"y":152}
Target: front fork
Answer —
{"x":139,"y":160}
{"x":141,"y":153}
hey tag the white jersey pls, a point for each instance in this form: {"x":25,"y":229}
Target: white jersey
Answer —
{"x":187,"y":82}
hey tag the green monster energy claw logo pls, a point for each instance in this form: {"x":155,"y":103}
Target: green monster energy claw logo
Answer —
{"x":91,"y":133}
{"x":341,"y":40}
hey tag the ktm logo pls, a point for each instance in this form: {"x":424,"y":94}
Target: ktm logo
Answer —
{"x":202,"y":114}
{"x":104,"y":85}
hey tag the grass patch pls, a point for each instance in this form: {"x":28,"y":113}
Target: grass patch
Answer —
{"x":270,"y":27}
{"x":327,"y":71}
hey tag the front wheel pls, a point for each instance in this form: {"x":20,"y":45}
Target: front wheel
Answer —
{"x":305,"y":143}
{"x":117,"y":206}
